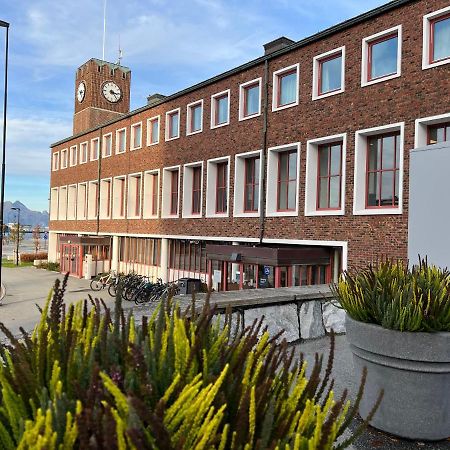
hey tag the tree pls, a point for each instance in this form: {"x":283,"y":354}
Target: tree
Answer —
{"x":14,"y":234}
{"x":37,"y":238}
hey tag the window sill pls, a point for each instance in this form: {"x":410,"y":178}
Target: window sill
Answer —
{"x":289,"y":105}
{"x":430,"y":65}
{"x":172,"y":138}
{"x":325,"y":212}
{"x":380,"y":80}
{"x":153,"y":217}
{"x":378,"y":212}
{"x":122,"y":152}
{"x":220,"y":125}
{"x":246,"y":214}
{"x":249,"y":117}
{"x":192,"y":216}
{"x":133,"y":217}
{"x":328,"y":94}
{"x":170,"y":216}
{"x":217,"y":215}
{"x":282,"y":214}
{"x":190,"y":133}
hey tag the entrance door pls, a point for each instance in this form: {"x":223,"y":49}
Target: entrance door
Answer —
{"x":71,"y":259}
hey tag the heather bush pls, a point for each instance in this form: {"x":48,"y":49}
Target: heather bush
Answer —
{"x":89,"y":378}
{"x":30,"y":257}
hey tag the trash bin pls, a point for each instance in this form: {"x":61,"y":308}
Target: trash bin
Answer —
{"x":188,"y":285}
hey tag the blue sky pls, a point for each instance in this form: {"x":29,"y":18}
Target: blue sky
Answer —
{"x":168,"y":44}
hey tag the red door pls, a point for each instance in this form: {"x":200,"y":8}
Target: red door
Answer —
{"x":71,"y":260}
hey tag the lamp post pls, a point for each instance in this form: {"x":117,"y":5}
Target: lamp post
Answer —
{"x":18,"y":234}
{"x":2,"y":195}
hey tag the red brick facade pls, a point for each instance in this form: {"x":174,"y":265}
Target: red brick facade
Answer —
{"x":416,"y":93}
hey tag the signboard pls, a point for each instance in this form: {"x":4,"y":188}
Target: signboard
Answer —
{"x":45,"y":236}
{"x":266,"y":270}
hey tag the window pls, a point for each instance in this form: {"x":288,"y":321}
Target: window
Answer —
{"x":119,"y":198}
{"x":54,"y":203}
{"x":439,"y":133}
{"x":151,"y":194}
{"x":173,"y":124}
{"x":105,"y":199}
{"x":287,"y":181}
{"x":192,"y":189}
{"x":95,"y":146}
{"x":285,"y":88}
{"x":121,"y":140}
{"x":194,"y":117}
{"x":379,"y":170}
{"x":134,"y":195}
{"x":250,"y":99}
{"x":247,"y":184}
{"x":72,"y":202}
{"x":93,"y":200}
{"x":436,"y":38}
{"x":62,"y":203}
{"x":55,"y":161}
{"x":82,"y":201}
{"x":83,"y":152}
{"x":170,"y":192}
{"x":325,"y":176}
{"x":64,"y":158}
{"x":107,"y":145}
{"x":73,"y":156}
{"x":136,"y":136}
{"x":153,"y":131}
{"x":217,"y":187}
{"x":382,"y":176}
{"x":329,"y":73}
{"x":220,"y":109}
{"x":282,"y":180}
{"x":381,"y":58}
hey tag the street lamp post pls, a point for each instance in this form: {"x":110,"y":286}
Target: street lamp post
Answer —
{"x":18,"y":234}
{"x":2,"y":195}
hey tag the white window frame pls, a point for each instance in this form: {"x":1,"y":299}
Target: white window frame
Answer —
{"x":272,"y":180}
{"x":242,"y":89}
{"x":80,"y":210}
{"x":100,"y":212}
{"x":132,"y":135}
{"x":187,"y":190}
{"x":63,"y":190}
{"x":316,"y":73}
{"x":70,"y":189}
{"x":54,"y":203}
{"x":149,"y":129}
{"x":275,"y":92}
{"x":93,"y":142}
{"x":121,"y":130}
{"x":169,"y":113}
{"x":211,"y":186}
{"x":55,"y":161}
{"x":73,"y":150}
{"x":148,"y":194}
{"x":426,"y":64}
{"x":239,"y":183}
{"x":104,"y":145}
{"x":92,"y":200}
{"x":365,"y":56}
{"x":64,"y":156}
{"x":359,"y":183}
{"x":189,"y":108}
{"x":421,"y":128}
{"x":82,"y":144}
{"x":134,"y":175}
{"x":115,"y":205}
{"x":165,"y":204}
{"x":214,"y":108}
{"x":312,"y":163}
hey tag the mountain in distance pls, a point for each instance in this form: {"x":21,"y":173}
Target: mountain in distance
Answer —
{"x":27,"y":216}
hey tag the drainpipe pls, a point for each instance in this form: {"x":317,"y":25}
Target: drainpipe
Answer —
{"x":262,"y":197}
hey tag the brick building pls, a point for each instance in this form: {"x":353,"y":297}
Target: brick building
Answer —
{"x":282,"y":171}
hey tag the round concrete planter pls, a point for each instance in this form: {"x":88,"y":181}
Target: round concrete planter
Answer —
{"x":414,"y":371}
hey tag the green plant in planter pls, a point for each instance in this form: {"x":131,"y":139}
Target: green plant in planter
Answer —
{"x":395,"y":297}
{"x":89,"y":378}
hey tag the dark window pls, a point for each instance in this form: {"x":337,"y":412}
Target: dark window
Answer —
{"x":439,"y":133}
{"x":329,"y":172}
{"x":330,"y":74}
{"x":287,"y":181}
{"x":440,"y":38}
{"x":251,"y":99}
{"x":251,"y":186}
{"x":383,"y":156}
{"x":196,"y":190}
{"x":174,"y":193}
{"x":382,"y":57}
{"x":221,"y":187}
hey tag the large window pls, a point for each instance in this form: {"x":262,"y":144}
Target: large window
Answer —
{"x":170,"y":192}
{"x":222,"y":188}
{"x":134,"y":195}
{"x":153,"y":131}
{"x":107,"y":145}
{"x":439,"y":133}
{"x":174,"y":192}
{"x":95,"y":145}
{"x":119,"y":197}
{"x":329,"y":173}
{"x":382,"y":178}
{"x":83,"y":152}
{"x":151,"y":194}
{"x":196,"y":190}
{"x":287,"y":181}
{"x":136,"y":136}
{"x":328,"y":73}
{"x":105,"y":199}
{"x":382,"y":56}
{"x":64,"y":158}
{"x":145,"y":251}
{"x":55,"y":161}
{"x":285,"y":87}
{"x":194,"y":117}
{"x":250,"y":99}
{"x":440,"y":38}
{"x":187,"y":256}
{"x":220,"y":109}
{"x":173,"y":124}
{"x":82,"y":201}
{"x":251,"y":186}
{"x":73,"y":156}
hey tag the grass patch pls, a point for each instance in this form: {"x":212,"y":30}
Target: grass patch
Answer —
{"x":12,"y":264}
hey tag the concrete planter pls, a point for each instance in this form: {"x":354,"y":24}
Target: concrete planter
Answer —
{"x":414,"y":371}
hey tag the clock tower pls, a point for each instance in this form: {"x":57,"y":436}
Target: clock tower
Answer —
{"x":102,"y":93}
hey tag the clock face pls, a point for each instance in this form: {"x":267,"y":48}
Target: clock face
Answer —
{"x":81,"y":91}
{"x":111,"y":92}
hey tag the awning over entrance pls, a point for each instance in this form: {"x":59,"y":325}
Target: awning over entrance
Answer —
{"x":85,"y":240}
{"x":270,"y":256}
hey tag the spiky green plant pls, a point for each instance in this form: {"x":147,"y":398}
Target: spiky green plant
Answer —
{"x":396,"y":297}
{"x":89,"y":379}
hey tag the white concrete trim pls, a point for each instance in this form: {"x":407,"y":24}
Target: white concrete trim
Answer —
{"x":73,"y":151}
{"x":132,"y":135}
{"x":421,"y":128}
{"x":167,"y":127}
{"x":123,"y":200}
{"x":214,"y":106}
{"x":189,"y":108}
{"x":275,"y":92}
{"x":105,"y":136}
{"x":145,"y":204}
{"x":166,"y":194}
{"x":316,"y":64}
{"x":80,"y":159}
{"x":80,"y":216}
{"x":242,"y":88}
{"x":187,"y":191}
{"x":54,"y":203}
{"x":426,"y":64}
{"x":93,"y":141}
{"x":118,"y":151}
{"x":104,"y":216}
{"x":55,"y":161}
{"x":72,"y":199}
{"x":211,"y":178}
{"x":149,"y":129}
{"x":134,"y":175}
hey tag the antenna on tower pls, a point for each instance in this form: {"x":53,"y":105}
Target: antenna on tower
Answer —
{"x":104,"y":29}
{"x":119,"y":59}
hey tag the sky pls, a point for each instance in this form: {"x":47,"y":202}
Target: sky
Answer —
{"x":168,"y":44}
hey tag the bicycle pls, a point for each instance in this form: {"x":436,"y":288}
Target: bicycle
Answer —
{"x":102,"y":280}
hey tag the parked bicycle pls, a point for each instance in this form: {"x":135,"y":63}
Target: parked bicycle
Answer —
{"x":103,"y":280}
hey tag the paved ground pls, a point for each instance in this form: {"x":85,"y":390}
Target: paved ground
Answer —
{"x":27,"y":286}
